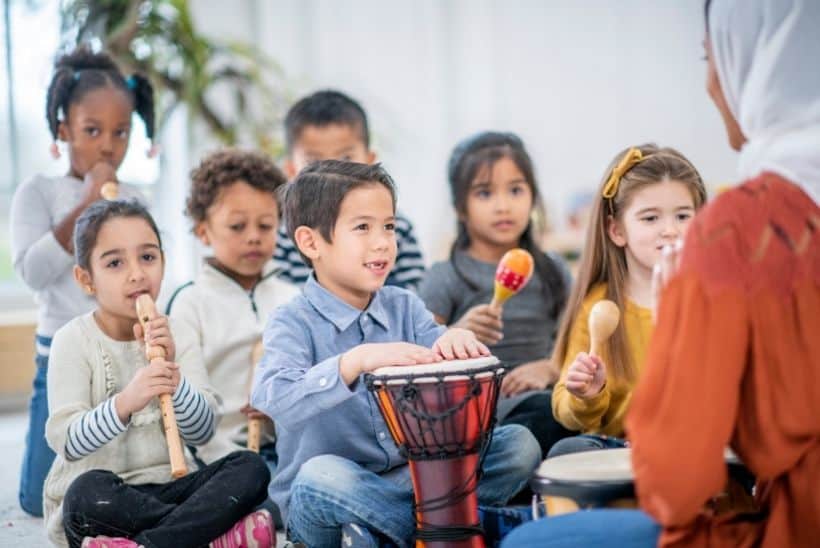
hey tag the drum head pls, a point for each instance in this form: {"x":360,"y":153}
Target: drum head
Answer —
{"x":591,"y":478}
{"x":431,"y":372}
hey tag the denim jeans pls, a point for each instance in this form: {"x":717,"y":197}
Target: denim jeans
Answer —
{"x":622,"y":528}
{"x":38,"y":456}
{"x":330,"y":491}
{"x":585,"y":442}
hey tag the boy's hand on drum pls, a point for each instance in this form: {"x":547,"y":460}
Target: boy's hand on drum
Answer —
{"x":535,"y":375}
{"x":586,"y":376}
{"x":157,"y":333}
{"x":157,"y":378}
{"x":485,"y":322}
{"x":459,"y":344}
{"x":369,"y":357}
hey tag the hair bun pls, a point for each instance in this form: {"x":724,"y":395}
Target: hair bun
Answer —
{"x":84,"y":58}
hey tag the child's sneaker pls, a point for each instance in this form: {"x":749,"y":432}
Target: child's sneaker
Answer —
{"x":109,"y":542}
{"x":253,"y":531}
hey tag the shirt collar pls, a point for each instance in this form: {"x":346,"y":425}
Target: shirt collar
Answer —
{"x":213,"y":273}
{"x":338,"y":312}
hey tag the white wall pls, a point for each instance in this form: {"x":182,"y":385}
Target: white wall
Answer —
{"x":576,"y":80}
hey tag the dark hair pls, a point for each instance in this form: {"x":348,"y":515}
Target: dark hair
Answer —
{"x":706,"y":5}
{"x":89,"y":223}
{"x":482,"y":151}
{"x":324,"y":108}
{"x":314,"y":198}
{"x":225,"y":167}
{"x":82,"y":71}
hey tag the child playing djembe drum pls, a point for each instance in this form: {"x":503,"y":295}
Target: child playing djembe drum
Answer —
{"x":338,"y":464}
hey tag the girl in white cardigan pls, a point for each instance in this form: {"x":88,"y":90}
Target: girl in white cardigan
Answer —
{"x":111,"y":484}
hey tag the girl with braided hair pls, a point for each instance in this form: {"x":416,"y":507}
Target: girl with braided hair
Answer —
{"x":89,"y":107}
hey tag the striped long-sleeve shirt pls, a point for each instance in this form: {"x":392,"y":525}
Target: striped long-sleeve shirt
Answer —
{"x":100,"y":425}
{"x":407,"y":272}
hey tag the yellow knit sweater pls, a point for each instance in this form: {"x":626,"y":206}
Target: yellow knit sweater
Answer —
{"x":604,"y":413}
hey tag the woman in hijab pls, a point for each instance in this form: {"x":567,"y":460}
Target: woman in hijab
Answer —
{"x":738,"y":328}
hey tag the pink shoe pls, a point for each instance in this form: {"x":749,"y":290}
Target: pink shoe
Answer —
{"x":109,"y":542}
{"x":255,"y":530}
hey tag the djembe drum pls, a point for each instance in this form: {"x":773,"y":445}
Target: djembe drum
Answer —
{"x":441,"y":417}
{"x":604,"y":479}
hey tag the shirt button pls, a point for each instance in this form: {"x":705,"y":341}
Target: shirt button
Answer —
{"x":381,"y":435}
{"x":322,"y":381}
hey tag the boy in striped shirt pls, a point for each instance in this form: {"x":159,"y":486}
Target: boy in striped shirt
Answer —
{"x":329,"y":125}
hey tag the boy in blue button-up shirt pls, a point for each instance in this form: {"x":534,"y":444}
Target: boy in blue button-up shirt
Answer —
{"x":337,"y":461}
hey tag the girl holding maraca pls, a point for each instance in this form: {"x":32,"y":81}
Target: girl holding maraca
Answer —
{"x":494,"y":192}
{"x":646,"y":200}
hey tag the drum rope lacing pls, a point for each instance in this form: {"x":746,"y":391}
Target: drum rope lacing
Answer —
{"x":432,"y":425}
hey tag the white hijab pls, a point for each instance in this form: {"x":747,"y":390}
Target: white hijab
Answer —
{"x":767,"y":55}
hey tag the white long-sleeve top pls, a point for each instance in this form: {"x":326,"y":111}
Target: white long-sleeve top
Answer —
{"x":45,"y":267}
{"x":87,"y":368}
{"x":228,"y":321}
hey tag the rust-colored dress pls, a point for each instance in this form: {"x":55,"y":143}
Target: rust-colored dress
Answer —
{"x":735,"y":360}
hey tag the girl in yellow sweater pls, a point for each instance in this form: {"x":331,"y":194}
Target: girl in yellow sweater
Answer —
{"x":646,"y":201}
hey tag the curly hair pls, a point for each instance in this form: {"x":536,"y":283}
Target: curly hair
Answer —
{"x":221,"y":169}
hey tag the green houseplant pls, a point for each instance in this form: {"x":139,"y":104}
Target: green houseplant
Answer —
{"x":231,"y":87}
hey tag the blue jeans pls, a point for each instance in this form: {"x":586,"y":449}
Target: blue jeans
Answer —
{"x":622,"y":528}
{"x":330,"y":491}
{"x":585,"y":442}
{"x":38,"y":456}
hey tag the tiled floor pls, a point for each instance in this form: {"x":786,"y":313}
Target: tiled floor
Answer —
{"x":16,"y":527}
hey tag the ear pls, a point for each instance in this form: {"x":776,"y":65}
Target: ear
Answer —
{"x":201,"y":232}
{"x":371,"y":157}
{"x":84,"y":280}
{"x":307,"y":240}
{"x":290,"y":168}
{"x":62,"y":131}
{"x":615,"y":231}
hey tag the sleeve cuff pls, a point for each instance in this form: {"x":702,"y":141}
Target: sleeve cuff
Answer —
{"x":326,"y":379}
{"x":180,"y":395}
{"x":590,"y":406}
{"x":115,"y":418}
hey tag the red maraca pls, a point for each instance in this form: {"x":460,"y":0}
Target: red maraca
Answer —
{"x":513,"y":272}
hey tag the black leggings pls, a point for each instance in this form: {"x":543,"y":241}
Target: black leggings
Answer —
{"x":190,"y":511}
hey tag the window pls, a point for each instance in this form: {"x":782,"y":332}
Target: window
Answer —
{"x":31,"y":35}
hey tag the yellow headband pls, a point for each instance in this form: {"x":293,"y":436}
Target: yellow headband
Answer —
{"x":632,"y":157}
